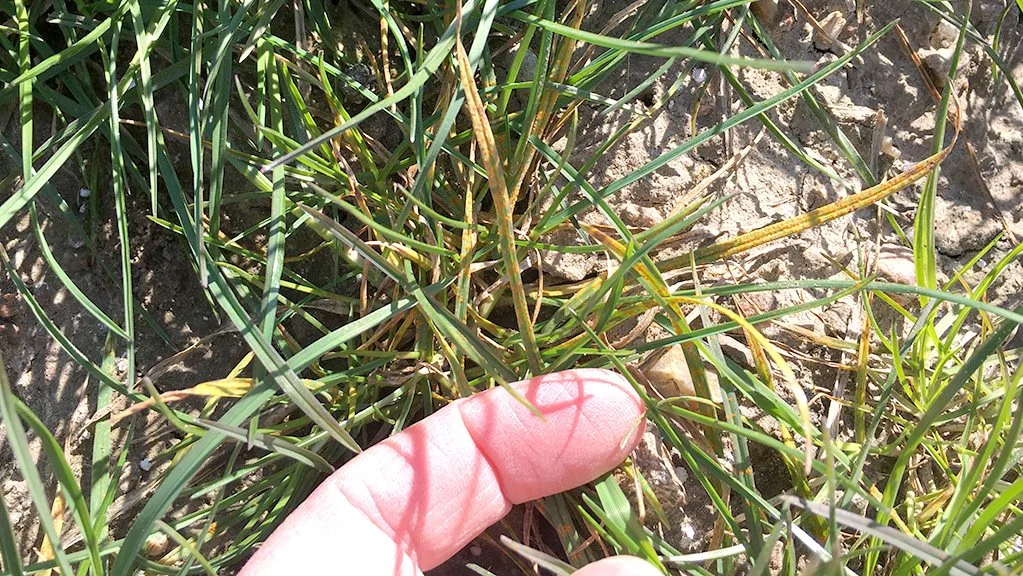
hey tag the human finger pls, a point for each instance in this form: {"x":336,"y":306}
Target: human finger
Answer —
{"x":410,"y":502}
{"x":618,"y":566}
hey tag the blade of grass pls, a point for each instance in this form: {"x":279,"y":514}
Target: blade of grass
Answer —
{"x":847,"y":205}
{"x":270,"y":443}
{"x":633,"y":47}
{"x":8,"y":545}
{"x":886,"y":534}
{"x":102,"y":444}
{"x":503,"y":207}
{"x":428,"y":66}
{"x":731,"y":122}
{"x":120,"y":203}
{"x":23,"y":457}
{"x":923,"y":225}
{"x":68,"y":483}
{"x":938,"y":405}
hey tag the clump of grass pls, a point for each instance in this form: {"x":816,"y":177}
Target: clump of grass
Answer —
{"x":426,"y":230}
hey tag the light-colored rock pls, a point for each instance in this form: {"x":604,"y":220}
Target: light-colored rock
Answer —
{"x":944,"y":35}
{"x":832,"y":25}
{"x":669,"y":373}
{"x":939,"y":60}
{"x":766,"y":9}
{"x":895,"y":263}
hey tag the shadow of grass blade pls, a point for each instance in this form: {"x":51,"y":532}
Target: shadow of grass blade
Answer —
{"x":65,"y":343}
{"x":65,"y":280}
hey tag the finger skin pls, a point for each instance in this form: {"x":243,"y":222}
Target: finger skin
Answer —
{"x":619,"y":566}
{"x":410,"y":502}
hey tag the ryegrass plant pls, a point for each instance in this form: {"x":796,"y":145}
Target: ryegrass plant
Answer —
{"x":427,"y":233}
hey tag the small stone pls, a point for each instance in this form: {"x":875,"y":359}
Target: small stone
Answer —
{"x":670,"y":375}
{"x":939,"y":60}
{"x":8,"y":306}
{"x":943,"y":35}
{"x":145,"y":465}
{"x":833,"y":24}
{"x":643,"y":216}
{"x":766,"y":9}
{"x":476,"y":550}
{"x":682,"y":474}
{"x":84,"y":193}
{"x":156,"y":545}
{"x":887,"y":147}
{"x":896,"y":263}
{"x":699,"y":75}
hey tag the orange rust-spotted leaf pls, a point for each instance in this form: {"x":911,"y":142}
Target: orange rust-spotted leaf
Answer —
{"x":812,"y":219}
{"x":503,"y":206}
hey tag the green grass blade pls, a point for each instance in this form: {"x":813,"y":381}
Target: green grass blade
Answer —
{"x":649,"y":49}
{"x":271,"y":444}
{"x":178,"y":479}
{"x":889,"y":535}
{"x":429,"y":65}
{"x":923,"y":225}
{"x":23,"y":456}
{"x":8,"y":545}
{"x":68,"y":482}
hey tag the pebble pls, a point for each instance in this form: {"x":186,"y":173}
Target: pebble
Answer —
{"x":939,"y":60}
{"x":833,"y":24}
{"x":156,"y":545}
{"x":670,"y":376}
{"x":888,"y":147}
{"x":766,"y":9}
{"x":8,"y":305}
{"x":896,"y":263}
{"x":944,"y":35}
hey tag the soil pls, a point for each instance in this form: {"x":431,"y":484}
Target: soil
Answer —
{"x":976,"y":202}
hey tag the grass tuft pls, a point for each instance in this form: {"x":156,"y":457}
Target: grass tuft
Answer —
{"x":365,"y":194}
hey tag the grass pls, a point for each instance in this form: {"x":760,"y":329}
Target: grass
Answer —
{"x":425,"y":238}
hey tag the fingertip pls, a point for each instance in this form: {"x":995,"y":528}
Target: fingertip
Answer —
{"x":591,"y":420}
{"x":619,"y":566}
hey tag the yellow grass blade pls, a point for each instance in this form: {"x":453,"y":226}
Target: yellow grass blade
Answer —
{"x":46,"y":552}
{"x":811,"y":219}
{"x":502,"y":204}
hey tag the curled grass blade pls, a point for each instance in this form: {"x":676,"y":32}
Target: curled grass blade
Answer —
{"x":749,"y":240}
{"x":271,"y":444}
